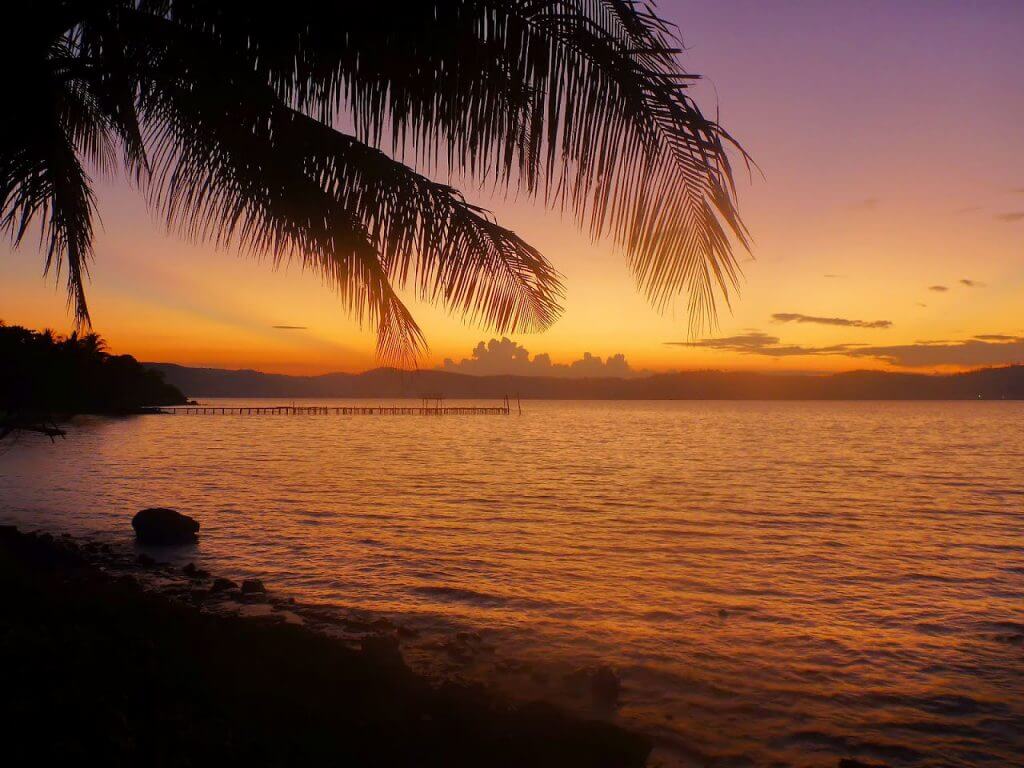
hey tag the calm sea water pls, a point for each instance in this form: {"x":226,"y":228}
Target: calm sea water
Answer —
{"x":775,"y":582}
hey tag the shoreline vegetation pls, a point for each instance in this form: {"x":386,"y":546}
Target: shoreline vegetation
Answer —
{"x":99,"y":665}
{"x":46,"y":378}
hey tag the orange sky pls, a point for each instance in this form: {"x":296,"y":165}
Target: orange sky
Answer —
{"x":890,"y":142}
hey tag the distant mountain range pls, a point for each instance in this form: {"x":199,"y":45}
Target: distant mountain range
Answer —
{"x":986,"y":384}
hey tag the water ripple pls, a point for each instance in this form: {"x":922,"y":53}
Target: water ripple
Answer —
{"x":777,"y":583}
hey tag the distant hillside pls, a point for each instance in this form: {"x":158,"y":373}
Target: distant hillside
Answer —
{"x":988,"y":384}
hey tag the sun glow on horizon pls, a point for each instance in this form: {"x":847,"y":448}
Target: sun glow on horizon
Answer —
{"x":858,"y":221}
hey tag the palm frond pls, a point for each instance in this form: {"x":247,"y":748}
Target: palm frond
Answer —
{"x":222,"y":174}
{"x":453,"y":252}
{"x":43,"y":182}
{"x":225,"y":112}
{"x":582,"y":102}
{"x":421,"y":233}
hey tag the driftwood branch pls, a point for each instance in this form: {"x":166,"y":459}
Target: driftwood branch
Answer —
{"x":11,"y":426}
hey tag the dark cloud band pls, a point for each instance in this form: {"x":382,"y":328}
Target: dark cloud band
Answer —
{"x":795,"y":317}
{"x":987,"y":349}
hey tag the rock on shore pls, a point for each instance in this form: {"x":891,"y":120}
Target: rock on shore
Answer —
{"x":100,"y":667}
{"x":158,"y":526}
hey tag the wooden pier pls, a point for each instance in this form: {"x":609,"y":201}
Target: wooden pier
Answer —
{"x":429,"y":407}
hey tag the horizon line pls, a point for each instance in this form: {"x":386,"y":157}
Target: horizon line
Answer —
{"x":640,"y":374}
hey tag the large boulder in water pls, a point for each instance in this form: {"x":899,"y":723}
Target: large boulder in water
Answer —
{"x":164,"y":527}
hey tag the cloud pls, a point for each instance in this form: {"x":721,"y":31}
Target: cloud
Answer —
{"x":505,"y":357}
{"x":921,"y":304}
{"x":1010,"y":217}
{"x":834,"y":276}
{"x":758,"y":343}
{"x":289,"y":327}
{"x":938,"y":288}
{"x":795,"y":317}
{"x":972,"y":352}
{"x":986,"y":349}
{"x":971,"y":283}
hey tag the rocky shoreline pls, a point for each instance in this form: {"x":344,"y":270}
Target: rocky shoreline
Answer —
{"x":96,"y":620}
{"x":158,"y":561}
{"x":130,"y":660}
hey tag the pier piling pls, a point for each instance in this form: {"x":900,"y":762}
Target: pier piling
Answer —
{"x":429,"y":407}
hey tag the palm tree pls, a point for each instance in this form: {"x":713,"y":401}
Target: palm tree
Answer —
{"x":226,"y":115}
{"x":46,"y":378}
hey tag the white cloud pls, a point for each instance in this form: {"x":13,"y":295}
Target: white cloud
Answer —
{"x":506,"y":357}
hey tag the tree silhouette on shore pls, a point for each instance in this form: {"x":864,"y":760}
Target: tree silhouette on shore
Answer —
{"x":227,"y":115}
{"x":44,"y":377}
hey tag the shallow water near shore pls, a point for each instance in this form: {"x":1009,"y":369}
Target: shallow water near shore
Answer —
{"x":774,"y":582}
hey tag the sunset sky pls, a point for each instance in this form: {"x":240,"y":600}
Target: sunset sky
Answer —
{"x":888,"y":227}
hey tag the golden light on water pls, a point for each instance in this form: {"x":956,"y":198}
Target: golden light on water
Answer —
{"x":770,"y":579}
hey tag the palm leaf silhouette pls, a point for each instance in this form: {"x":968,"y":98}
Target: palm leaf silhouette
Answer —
{"x":228,"y":115}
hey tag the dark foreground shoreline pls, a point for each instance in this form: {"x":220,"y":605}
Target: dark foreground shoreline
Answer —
{"x":94,"y":666}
